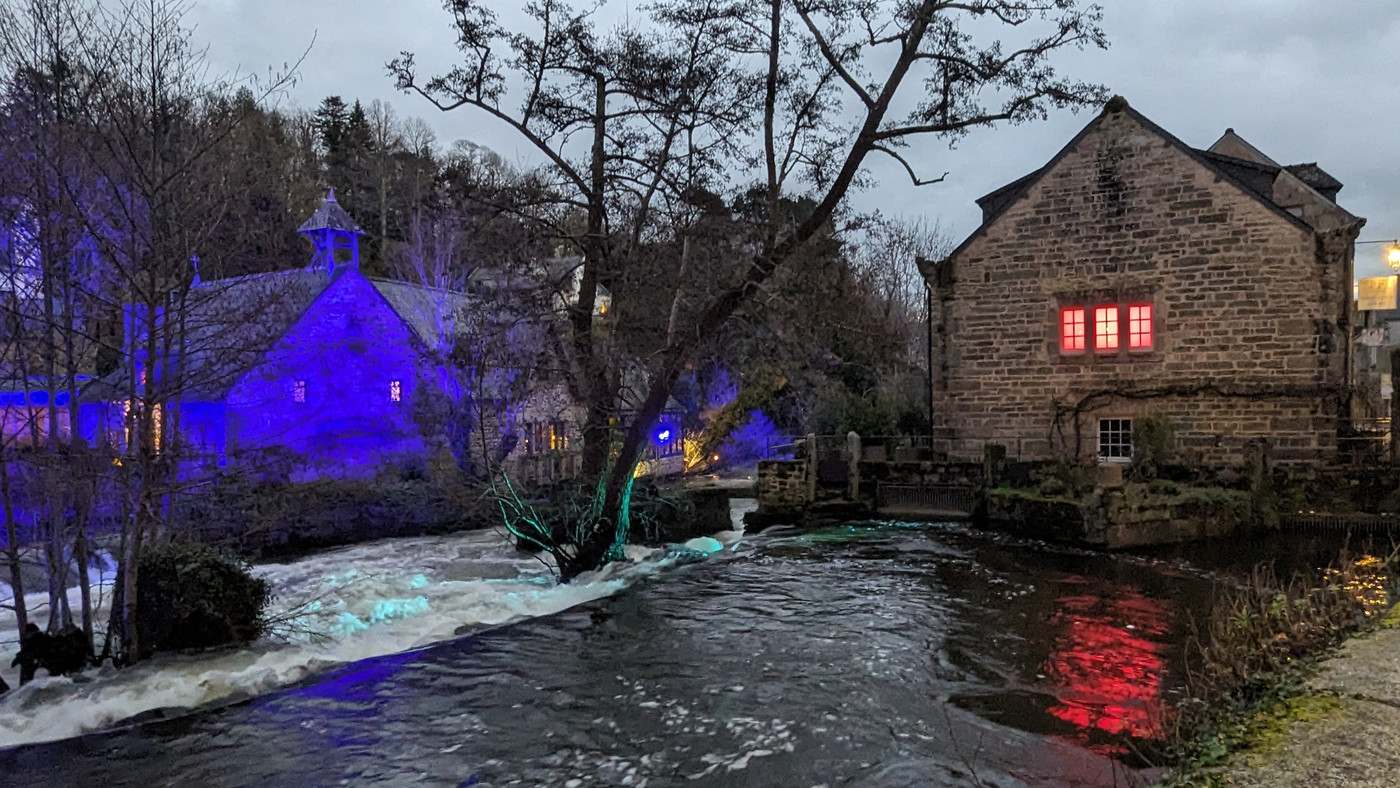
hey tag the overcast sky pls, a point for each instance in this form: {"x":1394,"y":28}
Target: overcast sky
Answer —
{"x":1303,"y":80}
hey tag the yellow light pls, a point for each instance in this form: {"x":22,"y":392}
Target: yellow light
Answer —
{"x":1392,"y":256}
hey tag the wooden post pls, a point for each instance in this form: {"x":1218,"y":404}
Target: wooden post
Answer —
{"x":1394,"y":406}
{"x":811,"y":467}
{"x":853,"y":458}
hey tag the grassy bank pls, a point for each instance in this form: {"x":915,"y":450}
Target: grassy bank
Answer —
{"x":1249,"y":663}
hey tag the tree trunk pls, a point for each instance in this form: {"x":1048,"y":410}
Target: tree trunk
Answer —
{"x":604,"y":537}
{"x":596,"y":393}
{"x":80,"y":459}
{"x":12,"y":542}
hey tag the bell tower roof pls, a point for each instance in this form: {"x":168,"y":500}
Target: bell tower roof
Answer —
{"x":335,"y":236}
{"x":330,"y":216}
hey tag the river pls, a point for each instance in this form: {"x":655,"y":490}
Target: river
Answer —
{"x":876,"y":655}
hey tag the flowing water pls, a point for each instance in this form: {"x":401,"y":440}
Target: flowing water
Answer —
{"x":875,"y":655}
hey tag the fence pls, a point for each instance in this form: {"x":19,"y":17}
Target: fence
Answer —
{"x":931,"y":500}
{"x":1332,"y":523}
{"x":941,"y":445}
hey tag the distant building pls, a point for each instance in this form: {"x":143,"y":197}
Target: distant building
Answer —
{"x":321,"y":364}
{"x":325,"y":372}
{"x":1133,"y":276}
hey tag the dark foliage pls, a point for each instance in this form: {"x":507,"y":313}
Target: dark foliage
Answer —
{"x":193,"y":596}
{"x":267,"y":519}
{"x":62,"y":654}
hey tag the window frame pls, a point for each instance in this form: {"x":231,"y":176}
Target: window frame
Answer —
{"x":1121,"y":449}
{"x":1134,"y":322}
{"x":1108,"y":326}
{"x":1079,"y":337}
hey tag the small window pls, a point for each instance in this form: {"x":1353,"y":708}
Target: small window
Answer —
{"x":1072,"y":330}
{"x":1105,"y":328}
{"x":395,"y":391}
{"x":1140,"y":327}
{"x":298,"y":391}
{"x":1115,"y":439}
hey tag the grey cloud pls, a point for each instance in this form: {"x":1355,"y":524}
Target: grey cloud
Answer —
{"x":1304,"y":80}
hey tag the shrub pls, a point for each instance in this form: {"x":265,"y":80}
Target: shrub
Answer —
{"x":1249,"y":656}
{"x":1154,"y":446}
{"x":189,"y":595}
{"x":1065,"y":479}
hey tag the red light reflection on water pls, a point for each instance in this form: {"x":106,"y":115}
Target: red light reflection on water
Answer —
{"x":1105,"y":664}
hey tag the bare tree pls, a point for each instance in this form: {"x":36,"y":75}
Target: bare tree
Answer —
{"x":676,"y":105}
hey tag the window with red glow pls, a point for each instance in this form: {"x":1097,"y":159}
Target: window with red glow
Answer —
{"x":1072,"y":330}
{"x":1140,"y":326}
{"x":1106,"y":328}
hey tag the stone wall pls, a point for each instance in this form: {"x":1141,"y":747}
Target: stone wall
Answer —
{"x":1250,"y":309}
{"x":783,"y":485}
{"x":924,"y":472}
{"x":344,"y":355}
{"x":1121,"y":518}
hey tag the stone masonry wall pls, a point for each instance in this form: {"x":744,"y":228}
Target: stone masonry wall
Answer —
{"x":1250,"y":314}
{"x":347,"y":350}
{"x":782,"y":485}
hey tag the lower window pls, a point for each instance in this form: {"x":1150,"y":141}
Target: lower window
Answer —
{"x":1115,"y":439}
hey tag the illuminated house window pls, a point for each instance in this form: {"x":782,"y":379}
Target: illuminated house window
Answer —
{"x":543,"y":437}
{"x":1140,"y":327}
{"x":1105,"y":328}
{"x":1115,"y":439}
{"x":395,"y":391}
{"x":298,"y":391}
{"x":1072,"y":330}
{"x":157,"y":429}
{"x":1110,"y":322}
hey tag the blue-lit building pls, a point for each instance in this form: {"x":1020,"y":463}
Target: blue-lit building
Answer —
{"x":324,"y":371}
{"x":318,"y":369}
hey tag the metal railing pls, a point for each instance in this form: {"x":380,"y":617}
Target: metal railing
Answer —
{"x":946,"y":500}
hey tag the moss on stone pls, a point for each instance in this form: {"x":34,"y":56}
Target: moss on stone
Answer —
{"x":1391,"y":619}
{"x":1269,"y":727}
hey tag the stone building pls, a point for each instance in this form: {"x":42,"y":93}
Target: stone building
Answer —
{"x":324,"y":370}
{"x":1136,"y":276}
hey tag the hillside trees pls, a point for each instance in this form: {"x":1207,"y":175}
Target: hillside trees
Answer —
{"x":770,"y":97}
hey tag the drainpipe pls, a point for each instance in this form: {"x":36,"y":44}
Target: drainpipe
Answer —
{"x":928,"y":323}
{"x":927,"y":268}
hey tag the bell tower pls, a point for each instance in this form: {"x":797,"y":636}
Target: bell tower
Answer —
{"x":335,"y":236}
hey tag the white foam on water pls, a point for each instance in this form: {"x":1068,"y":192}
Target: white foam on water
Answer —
{"x":337,"y":607}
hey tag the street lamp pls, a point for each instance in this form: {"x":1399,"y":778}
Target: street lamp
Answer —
{"x":1392,"y":252}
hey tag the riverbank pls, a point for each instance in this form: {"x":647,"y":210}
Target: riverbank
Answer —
{"x":1340,"y":731}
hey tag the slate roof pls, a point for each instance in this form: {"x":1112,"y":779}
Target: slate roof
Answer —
{"x":1259,"y":178}
{"x":330,"y":216}
{"x":231,"y":324}
{"x":1318,"y":178}
{"x":428,"y":311}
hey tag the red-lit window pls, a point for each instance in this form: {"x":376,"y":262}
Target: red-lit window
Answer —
{"x":1140,"y":327}
{"x":1072,"y":330}
{"x":1105,"y":328}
